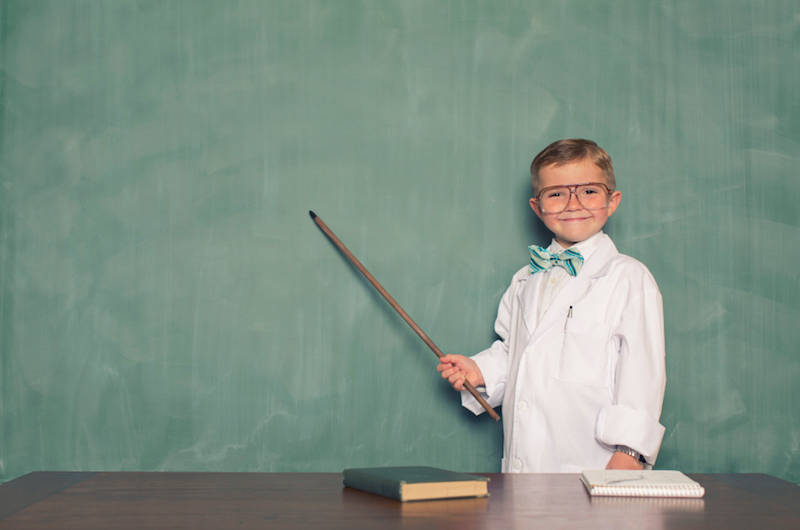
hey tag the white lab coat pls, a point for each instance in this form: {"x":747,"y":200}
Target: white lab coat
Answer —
{"x":573,"y":385}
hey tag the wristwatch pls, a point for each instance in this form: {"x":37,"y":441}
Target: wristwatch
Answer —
{"x":630,"y":452}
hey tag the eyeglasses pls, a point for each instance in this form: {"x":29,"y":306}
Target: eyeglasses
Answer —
{"x":590,"y":195}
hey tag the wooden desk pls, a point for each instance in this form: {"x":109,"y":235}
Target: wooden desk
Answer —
{"x":63,"y":500}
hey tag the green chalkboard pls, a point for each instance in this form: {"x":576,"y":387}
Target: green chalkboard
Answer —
{"x":167,"y":304}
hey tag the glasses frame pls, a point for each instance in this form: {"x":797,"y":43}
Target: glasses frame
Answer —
{"x":573,"y":190}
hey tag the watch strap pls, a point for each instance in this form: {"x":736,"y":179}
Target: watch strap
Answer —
{"x":631,"y":452}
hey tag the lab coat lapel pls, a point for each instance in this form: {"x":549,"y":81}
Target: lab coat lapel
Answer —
{"x":574,"y":290}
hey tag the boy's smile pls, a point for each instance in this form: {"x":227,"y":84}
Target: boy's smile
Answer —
{"x":575,"y":223}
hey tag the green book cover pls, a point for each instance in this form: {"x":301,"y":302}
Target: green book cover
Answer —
{"x":407,"y":483}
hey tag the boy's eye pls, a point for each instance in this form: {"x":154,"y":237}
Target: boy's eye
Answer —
{"x":590,"y":190}
{"x":553,"y":194}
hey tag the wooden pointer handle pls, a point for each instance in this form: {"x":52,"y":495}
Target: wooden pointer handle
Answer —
{"x":354,"y":260}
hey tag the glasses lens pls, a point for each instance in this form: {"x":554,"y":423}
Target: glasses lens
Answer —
{"x":554,"y":199}
{"x":591,"y":195}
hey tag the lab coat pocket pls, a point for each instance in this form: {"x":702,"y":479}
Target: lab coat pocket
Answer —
{"x":584,"y":356}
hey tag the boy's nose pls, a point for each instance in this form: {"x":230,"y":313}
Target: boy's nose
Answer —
{"x":573,"y":203}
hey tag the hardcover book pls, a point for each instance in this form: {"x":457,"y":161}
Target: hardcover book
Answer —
{"x":414,"y":483}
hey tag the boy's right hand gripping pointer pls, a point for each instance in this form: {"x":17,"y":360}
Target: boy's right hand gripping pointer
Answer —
{"x":459,"y":370}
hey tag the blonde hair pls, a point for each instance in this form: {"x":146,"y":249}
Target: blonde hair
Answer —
{"x":570,"y":150}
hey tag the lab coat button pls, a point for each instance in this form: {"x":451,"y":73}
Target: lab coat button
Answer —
{"x":517,"y":464}
{"x":523,"y":406}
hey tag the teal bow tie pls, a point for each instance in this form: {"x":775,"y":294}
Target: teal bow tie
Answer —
{"x":544,"y":260}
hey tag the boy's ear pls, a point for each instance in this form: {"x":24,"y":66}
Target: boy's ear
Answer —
{"x":613,"y":202}
{"x":535,"y":208}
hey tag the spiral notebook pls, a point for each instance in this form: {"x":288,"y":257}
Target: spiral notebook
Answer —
{"x":644,"y":483}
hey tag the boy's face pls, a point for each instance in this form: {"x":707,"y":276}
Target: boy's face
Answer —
{"x":575,"y":223}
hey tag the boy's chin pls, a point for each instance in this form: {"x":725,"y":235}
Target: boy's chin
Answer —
{"x":567,"y":239}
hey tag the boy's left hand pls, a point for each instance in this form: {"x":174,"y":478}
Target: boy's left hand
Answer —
{"x":622,"y":461}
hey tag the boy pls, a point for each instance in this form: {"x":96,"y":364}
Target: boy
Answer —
{"x":579,"y":367}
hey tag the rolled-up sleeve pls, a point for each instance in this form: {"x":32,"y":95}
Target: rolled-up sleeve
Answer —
{"x":640,"y":379}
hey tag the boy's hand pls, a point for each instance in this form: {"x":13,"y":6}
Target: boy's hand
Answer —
{"x":623,"y":461}
{"x":457,"y":368}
